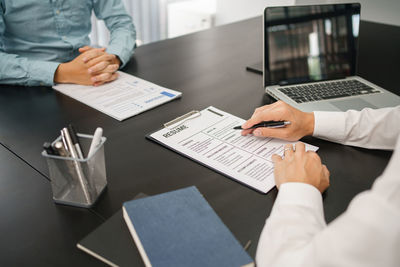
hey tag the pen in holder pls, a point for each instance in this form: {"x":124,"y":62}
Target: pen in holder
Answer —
{"x":78,"y":182}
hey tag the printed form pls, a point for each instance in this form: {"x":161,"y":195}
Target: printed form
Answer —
{"x":123,"y":98}
{"x":208,"y":137}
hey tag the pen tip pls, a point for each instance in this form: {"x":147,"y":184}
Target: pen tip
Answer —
{"x":238,"y":128}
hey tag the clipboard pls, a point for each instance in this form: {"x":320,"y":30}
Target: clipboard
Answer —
{"x":208,"y":138}
{"x":190,"y":116}
{"x":203,"y":164}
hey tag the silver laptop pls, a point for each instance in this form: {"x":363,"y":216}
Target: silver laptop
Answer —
{"x":310,"y":58}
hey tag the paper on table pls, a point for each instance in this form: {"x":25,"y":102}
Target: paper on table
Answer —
{"x":211,"y":140}
{"x":123,"y":98}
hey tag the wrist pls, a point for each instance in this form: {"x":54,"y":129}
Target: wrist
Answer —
{"x":61,"y":74}
{"x":309,"y":123}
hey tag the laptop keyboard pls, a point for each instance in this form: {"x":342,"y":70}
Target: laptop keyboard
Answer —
{"x":329,"y":90}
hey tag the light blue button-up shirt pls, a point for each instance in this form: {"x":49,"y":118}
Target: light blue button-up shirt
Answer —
{"x":37,"y":35}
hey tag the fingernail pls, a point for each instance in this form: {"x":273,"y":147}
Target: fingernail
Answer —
{"x":94,"y":79}
{"x":90,"y":70}
{"x":84,"y":59}
{"x":257,"y":133}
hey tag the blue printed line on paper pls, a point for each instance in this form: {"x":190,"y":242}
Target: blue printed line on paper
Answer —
{"x":167,"y":94}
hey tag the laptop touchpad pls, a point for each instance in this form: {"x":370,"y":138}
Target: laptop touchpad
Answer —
{"x":357,"y":104}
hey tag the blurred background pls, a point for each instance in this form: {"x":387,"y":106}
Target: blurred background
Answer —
{"x":161,"y":19}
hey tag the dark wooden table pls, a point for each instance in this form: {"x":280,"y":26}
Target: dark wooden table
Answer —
{"x":209,"y":68}
{"x":34,"y":231}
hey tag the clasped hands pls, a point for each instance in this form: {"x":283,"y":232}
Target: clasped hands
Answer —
{"x":93,"y":66}
{"x":297,"y":164}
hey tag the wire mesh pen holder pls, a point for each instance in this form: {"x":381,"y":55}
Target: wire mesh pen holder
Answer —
{"x":78,"y":182}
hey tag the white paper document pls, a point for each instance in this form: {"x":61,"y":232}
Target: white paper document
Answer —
{"x":208,"y":137}
{"x":123,"y":98}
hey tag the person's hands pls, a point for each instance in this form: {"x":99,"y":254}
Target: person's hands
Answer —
{"x":102,"y":66}
{"x":92,"y":67}
{"x":301,"y":123}
{"x":75,"y":71}
{"x":300,"y":166}
{"x":99,"y":52}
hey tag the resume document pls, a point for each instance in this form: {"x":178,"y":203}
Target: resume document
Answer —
{"x":123,"y":98}
{"x":208,"y":137}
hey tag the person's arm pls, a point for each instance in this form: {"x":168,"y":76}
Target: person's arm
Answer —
{"x":22,"y":71}
{"x":19,"y":70}
{"x":367,"y":234}
{"x":367,"y":128}
{"x":122,"y":30}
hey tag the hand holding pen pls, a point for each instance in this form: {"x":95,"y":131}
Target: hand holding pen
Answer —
{"x":281,"y":121}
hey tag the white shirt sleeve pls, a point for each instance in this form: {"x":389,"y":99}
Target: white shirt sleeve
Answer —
{"x":367,"y":234}
{"x":369,"y":128}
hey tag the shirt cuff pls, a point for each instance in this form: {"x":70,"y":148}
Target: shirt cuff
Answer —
{"x":124,"y":55}
{"x":329,"y":125}
{"x":42,"y":73}
{"x":300,"y":194}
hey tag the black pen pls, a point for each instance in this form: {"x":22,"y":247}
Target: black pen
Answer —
{"x":266,"y":124}
{"x":75,"y":140}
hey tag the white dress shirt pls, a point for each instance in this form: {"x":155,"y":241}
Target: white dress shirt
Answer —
{"x":368,"y":232}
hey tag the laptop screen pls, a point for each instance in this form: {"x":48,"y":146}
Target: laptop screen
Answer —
{"x":310,"y":43}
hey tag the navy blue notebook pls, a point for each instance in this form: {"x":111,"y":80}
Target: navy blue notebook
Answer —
{"x":179,"y":228}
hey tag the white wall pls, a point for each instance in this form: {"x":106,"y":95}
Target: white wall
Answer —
{"x":234,"y":10}
{"x":383,"y":11}
{"x":190,"y":16}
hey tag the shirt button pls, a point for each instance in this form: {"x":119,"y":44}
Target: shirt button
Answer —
{"x":58,"y":12}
